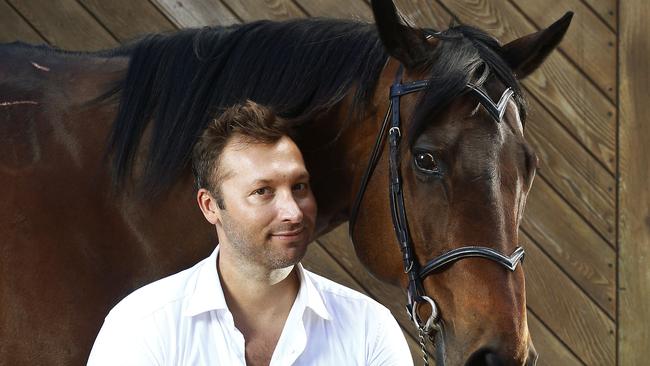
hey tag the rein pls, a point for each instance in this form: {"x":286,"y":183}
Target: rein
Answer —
{"x":416,"y":274}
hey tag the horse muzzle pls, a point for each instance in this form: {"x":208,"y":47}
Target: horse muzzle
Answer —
{"x":489,"y":357}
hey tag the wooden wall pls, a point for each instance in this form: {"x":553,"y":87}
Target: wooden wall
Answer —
{"x":575,"y":246}
{"x":633,"y":190}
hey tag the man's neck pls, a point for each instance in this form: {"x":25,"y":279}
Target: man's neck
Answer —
{"x":260,"y":301}
{"x":252,"y":289}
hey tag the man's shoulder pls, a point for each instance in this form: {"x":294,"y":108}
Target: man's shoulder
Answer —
{"x":335,"y":294}
{"x":163,"y":294}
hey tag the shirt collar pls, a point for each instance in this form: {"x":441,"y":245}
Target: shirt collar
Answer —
{"x":208,"y":295}
{"x":309,"y":296}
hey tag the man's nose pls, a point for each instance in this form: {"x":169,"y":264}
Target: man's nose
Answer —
{"x":289,"y":209}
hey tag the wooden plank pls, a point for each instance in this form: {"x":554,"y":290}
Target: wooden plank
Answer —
{"x":196,"y":13}
{"x":65,"y":24}
{"x":550,"y":349}
{"x":353,"y":9}
{"x":566,"y":238}
{"x":590,"y":43}
{"x":606,"y":9}
{"x":557,"y":84}
{"x":567,"y":311}
{"x":575,"y":174}
{"x":249,"y":10}
{"x":128,"y":19}
{"x":14,"y":28}
{"x":634,"y":191}
{"x":424,"y":13}
{"x":319,"y":261}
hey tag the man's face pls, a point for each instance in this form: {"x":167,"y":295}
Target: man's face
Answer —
{"x":269,"y":210}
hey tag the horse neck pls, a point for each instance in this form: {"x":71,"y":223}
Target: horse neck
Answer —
{"x":336,"y":146}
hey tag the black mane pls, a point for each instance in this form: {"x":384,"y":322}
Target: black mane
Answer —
{"x":297,"y":67}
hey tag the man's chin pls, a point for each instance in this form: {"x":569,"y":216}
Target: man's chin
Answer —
{"x":290,"y":254}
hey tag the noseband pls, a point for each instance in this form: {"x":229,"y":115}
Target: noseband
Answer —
{"x":412,"y":268}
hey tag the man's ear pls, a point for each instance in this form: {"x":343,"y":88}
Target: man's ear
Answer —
{"x":525,"y":54}
{"x":208,"y":205}
{"x":408,"y":45}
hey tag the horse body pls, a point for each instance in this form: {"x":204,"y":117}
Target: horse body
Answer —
{"x":71,"y":247}
{"x":72,"y":244}
{"x":67,"y":244}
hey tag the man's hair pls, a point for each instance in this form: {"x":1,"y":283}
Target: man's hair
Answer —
{"x":249,"y":121}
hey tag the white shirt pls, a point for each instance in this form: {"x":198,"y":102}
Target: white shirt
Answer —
{"x":183,"y":320}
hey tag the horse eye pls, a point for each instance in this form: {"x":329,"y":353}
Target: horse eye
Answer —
{"x":426,"y":163}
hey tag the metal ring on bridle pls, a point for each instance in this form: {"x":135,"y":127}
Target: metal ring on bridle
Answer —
{"x":430,"y":324}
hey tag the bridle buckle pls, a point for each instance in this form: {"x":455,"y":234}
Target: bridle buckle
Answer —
{"x":431,"y":323}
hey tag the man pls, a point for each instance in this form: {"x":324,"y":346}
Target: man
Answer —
{"x":250,"y":302}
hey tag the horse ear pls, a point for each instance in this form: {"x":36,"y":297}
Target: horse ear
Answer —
{"x":408,"y":45}
{"x":525,"y":54}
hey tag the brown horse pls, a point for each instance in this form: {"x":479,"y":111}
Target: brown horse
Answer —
{"x":97,"y":198}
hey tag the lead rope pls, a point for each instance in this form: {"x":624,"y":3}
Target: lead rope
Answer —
{"x":423,"y":347}
{"x":423,"y":344}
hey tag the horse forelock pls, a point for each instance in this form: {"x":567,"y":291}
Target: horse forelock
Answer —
{"x":464,"y":54}
{"x":181,"y":81}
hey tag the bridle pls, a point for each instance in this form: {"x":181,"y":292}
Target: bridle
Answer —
{"x":415,"y":272}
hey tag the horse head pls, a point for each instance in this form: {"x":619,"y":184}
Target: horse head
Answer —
{"x":457,"y":185}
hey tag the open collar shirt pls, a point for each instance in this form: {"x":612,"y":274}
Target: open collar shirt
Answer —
{"x":184,"y":320}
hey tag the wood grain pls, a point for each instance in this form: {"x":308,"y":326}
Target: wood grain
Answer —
{"x":249,"y":10}
{"x":424,"y":13}
{"x":606,"y":9}
{"x":634,"y":191}
{"x":351,"y":9}
{"x":14,"y":28}
{"x":566,"y":238}
{"x":128,"y":19}
{"x":585,"y":184}
{"x":552,"y":352}
{"x":567,"y":311}
{"x":589,"y":43}
{"x":65,"y":24}
{"x":558,"y":85}
{"x":196,"y":13}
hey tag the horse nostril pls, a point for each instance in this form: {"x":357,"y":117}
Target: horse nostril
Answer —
{"x":485,"y":357}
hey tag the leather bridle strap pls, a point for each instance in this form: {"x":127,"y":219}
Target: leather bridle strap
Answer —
{"x":398,"y":211}
{"x":398,"y":89}
{"x":467,"y":252}
{"x":496,"y":110}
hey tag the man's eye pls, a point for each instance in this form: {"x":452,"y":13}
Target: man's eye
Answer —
{"x":262,"y":191}
{"x":300,"y":187}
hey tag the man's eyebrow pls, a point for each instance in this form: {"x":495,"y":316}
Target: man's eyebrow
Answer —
{"x":263,"y":181}
{"x":303,"y":175}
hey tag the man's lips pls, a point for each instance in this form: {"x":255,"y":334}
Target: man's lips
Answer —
{"x":292,"y":233}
